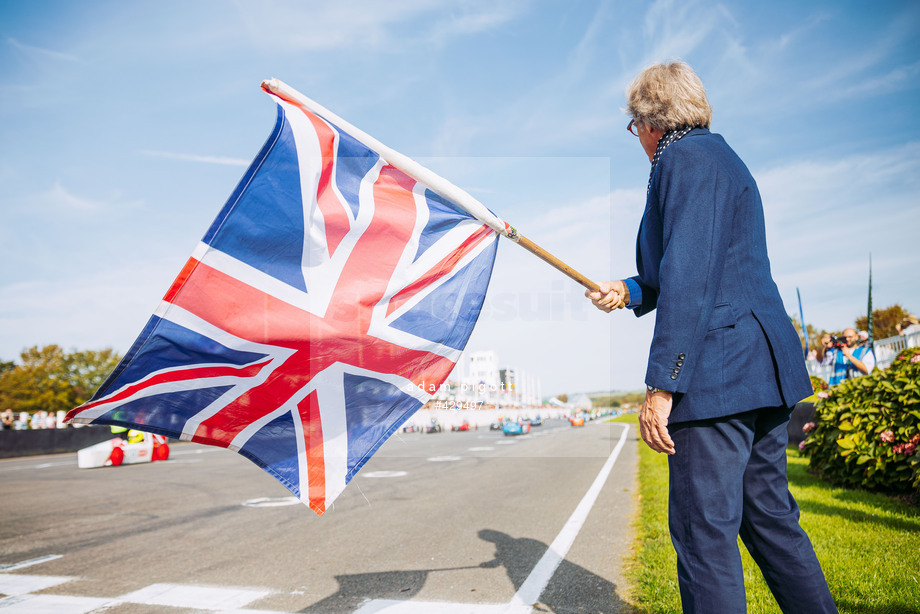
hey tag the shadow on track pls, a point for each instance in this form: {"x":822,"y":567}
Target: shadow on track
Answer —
{"x":572,"y":589}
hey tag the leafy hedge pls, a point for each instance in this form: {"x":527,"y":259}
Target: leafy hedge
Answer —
{"x":867,"y":430}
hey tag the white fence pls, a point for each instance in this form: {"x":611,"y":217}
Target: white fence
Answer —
{"x":888,"y":349}
{"x":885,"y":350}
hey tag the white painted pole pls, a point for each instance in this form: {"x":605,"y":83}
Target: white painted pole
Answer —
{"x":440,"y":186}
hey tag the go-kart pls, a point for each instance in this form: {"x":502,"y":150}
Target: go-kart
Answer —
{"x":139,"y":448}
{"x":520,"y":427}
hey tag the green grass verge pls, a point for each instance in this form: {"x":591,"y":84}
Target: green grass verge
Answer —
{"x":868,"y":545}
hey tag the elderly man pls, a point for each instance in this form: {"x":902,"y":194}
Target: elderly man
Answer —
{"x":725,"y":364}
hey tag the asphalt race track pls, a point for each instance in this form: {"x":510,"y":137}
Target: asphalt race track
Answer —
{"x":447,"y":522}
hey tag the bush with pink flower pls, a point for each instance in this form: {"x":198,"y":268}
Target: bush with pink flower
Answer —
{"x":818,"y":385}
{"x":867,"y":430}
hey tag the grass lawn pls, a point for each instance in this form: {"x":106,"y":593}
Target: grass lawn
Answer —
{"x":868,"y":545}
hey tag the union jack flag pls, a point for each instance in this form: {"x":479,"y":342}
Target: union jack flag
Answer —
{"x":330,"y":296}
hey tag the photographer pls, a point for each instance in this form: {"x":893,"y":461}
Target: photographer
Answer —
{"x":850,"y":359}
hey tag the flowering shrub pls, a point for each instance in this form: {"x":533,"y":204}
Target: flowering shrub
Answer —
{"x":818,"y":385}
{"x":867,"y":430}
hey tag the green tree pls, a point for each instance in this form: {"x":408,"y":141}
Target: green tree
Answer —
{"x":606,"y":400}
{"x":49,"y":378}
{"x":617,"y":399}
{"x":884,"y":321}
{"x":87,"y":370}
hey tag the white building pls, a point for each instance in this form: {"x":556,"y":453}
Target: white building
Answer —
{"x":482,"y":368}
{"x":478,"y":379}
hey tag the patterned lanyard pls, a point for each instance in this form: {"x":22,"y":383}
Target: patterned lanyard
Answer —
{"x":667,"y":139}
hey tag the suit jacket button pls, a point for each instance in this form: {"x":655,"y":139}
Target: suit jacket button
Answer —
{"x":681,"y":356}
{"x":680,"y":363}
{"x":674,"y":376}
{"x":676,"y":369}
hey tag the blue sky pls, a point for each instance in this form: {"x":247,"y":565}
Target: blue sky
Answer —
{"x":124,"y":126}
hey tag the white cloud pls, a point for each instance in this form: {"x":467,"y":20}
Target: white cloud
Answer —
{"x":474,"y":17}
{"x":538,"y":320}
{"x":34,"y":53}
{"x":107,"y":307}
{"x":802,"y":30}
{"x":824,"y":218}
{"x":676,"y":29}
{"x":59,"y":197}
{"x":196,"y":158}
{"x":367,"y":24}
{"x":875,"y":183}
{"x":891,"y":81}
{"x":855,"y":70}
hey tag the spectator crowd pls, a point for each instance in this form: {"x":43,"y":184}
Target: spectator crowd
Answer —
{"x":23,"y":421}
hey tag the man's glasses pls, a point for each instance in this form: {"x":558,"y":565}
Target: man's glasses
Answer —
{"x":631,"y":127}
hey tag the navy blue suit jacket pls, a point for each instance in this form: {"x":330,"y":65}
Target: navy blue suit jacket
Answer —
{"x":723,"y":343}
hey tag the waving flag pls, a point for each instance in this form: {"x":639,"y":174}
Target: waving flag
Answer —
{"x":330,"y":296}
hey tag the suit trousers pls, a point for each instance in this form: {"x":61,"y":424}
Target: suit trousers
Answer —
{"x":728,"y":478}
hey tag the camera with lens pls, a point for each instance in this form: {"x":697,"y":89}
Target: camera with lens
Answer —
{"x":838,"y":342}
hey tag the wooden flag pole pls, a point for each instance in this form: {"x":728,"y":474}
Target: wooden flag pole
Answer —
{"x":442,"y":187}
{"x":547,"y":257}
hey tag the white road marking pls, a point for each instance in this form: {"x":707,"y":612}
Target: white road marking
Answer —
{"x":52,"y":604}
{"x":383,"y":474}
{"x":271,"y":502}
{"x":16,"y":584}
{"x":201,"y":597}
{"x":39,"y":466}
{"x":533,"y":586}
{"x":481,"y":449}
{"x":444,"y":459}
{"x":29,"y":563}
{"x":224,"y":599}
{"x":174,"y":452}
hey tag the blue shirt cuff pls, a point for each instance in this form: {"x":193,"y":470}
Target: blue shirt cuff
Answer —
{"x":635,"y":293}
